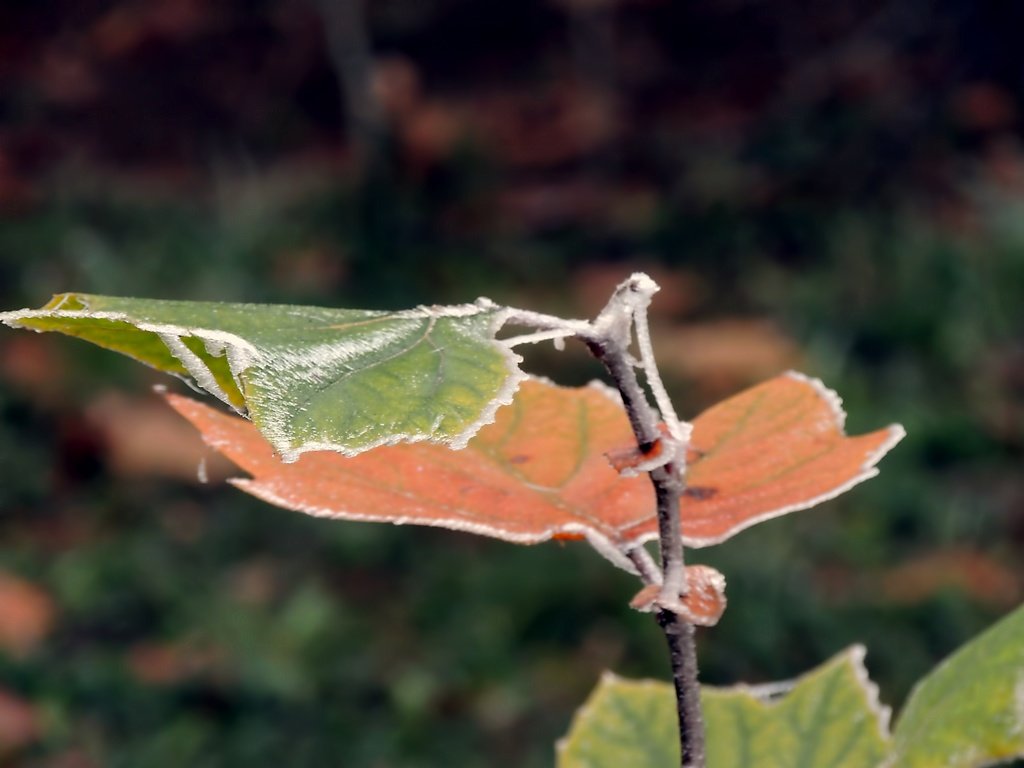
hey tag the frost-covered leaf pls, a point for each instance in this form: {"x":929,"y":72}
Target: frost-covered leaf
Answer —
{"x":312,"y":378}
{"x":969,"y":711}
{"x":624,"y":722}
{"x":775,"y":448}
{"x":538,"y":472}
{"x":829,"y":717}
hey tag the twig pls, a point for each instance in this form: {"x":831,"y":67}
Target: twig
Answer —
{"x":682,"y":650}
{"x":540,"y":321}
{"x":532,"y":338}
{"x":645,"y":565}
{"x":608,"y":339}
{"x":678,"y":429}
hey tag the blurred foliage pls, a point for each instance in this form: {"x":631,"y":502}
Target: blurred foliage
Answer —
{"x":838,"y":189}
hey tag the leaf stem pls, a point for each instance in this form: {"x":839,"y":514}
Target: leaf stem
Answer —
{"x":544,"y":322}
{"x":608,"y":339}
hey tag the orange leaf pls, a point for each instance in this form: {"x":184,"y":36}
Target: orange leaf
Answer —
{"x":538,"y":471}
{"x":773,"y":449}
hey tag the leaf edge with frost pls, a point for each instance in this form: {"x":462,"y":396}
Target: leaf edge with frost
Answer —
{"x":241,"y":357}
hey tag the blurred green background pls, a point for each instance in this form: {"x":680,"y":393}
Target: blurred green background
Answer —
{"x":835,"y":187}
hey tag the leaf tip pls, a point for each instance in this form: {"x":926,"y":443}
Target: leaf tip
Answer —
{"x":896,"y":433}
{"x":819,"y":415}
{"x":856,"y":655}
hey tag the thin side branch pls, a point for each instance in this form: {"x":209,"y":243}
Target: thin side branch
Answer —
{"x":533,"y":338}
{"x":645,"y":565}
{"x":678,"y":429}
{"x":545,"y":322}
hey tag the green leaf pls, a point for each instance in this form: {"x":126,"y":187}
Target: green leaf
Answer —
{"x":313,"y":378}
{"x":624,"y":722}
{"x":969,"y":711}
{"x":829,"y":718}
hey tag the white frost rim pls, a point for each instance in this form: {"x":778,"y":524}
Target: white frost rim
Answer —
{"x":241,"y":355}
{"x":598,"y":541}
{"x":771,"y":693}
{"x":239,"y":352}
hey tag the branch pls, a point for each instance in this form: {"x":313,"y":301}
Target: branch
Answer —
{"x":682,"y":649}
{"x":609,"y":339}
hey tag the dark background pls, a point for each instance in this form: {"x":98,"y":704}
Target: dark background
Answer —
{"x":836,"y":187}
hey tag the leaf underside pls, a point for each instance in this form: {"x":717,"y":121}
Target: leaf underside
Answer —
{"x":829,"y":717}
{"x":312,"y":378}
{"x":539,"y":471}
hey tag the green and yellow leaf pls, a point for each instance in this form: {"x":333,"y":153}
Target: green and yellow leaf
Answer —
{"x":829,"y":718}
{"x":312,"y":378}
{"x":969,"y":711}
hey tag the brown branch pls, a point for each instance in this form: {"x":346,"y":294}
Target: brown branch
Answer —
{"x":609,"y":342}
